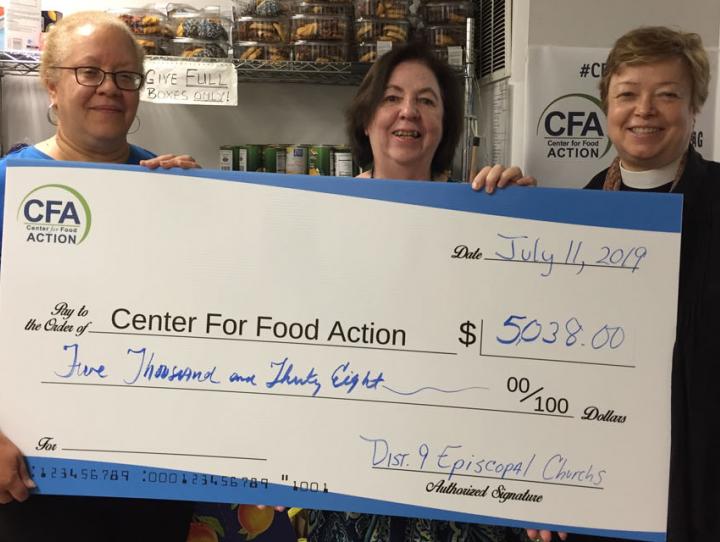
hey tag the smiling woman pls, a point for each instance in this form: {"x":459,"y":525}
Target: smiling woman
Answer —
{"x":93,"y":70}
{"x":93,"y":113}
{"x":655,"y":83}
{"x":406,"y":120}
{"x":405,"y":123}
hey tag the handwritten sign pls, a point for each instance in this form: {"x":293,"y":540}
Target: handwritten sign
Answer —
{"x":255,"y":338}
{"x":178,"y":81}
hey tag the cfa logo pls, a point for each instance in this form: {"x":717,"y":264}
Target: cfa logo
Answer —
{"x":573,"y":127}
{"x":55,"y":214}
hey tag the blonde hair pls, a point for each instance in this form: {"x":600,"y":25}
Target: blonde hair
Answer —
{"x":59,"y":40}
{"x":649,"y":44}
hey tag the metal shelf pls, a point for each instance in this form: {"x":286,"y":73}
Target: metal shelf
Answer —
{"x":17,"y":63}
{"x":331,"y":73}
{"x":292,"y":71}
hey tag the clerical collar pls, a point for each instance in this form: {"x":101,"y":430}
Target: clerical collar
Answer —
{"x":652,"y":178}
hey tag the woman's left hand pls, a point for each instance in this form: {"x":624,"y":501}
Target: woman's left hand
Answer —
{"x":498,"y":176}
{"x":166,"y":161}
{"x":543,"y":536}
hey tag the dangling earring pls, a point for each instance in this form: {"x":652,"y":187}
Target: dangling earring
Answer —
{"x":49,"y":114}
{"x":138,"y":126}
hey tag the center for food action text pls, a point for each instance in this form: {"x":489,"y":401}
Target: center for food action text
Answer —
{"x":262,"y":327}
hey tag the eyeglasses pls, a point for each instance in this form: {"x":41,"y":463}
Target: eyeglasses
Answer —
{"x":90,"y":76}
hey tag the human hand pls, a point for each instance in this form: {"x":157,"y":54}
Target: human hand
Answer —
{"x":166,"y":161}
{"x":498,"y":176}
{"x":543,"y":536}
{"x":15,"y":480}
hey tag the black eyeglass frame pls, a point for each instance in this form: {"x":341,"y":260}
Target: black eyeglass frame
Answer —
{"x":105,"y":74}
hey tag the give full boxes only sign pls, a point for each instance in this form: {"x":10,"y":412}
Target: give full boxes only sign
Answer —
{"x":181,"y":81}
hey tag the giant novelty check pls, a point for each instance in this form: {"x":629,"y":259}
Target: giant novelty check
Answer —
{"x":403,"y":348}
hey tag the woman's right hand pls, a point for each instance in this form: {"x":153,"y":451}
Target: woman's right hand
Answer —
{"x":15,"y":481}
{"x":498,"y":176}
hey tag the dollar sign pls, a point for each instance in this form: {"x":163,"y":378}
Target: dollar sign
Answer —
{"x":468,"y":337}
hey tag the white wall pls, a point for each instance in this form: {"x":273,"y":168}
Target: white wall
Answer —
{"x":595,"y":23}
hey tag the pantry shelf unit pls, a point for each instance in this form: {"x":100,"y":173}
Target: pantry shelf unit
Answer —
{"x":19,"y":63}
{"x":287,"y":71}
{"x":332,"y":73}
{"x":290,"y":71}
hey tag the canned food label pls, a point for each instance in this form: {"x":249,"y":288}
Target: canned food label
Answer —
{"x":226,"y":159}
{"x":242,"y":159}
{"x":319,"y":160}
{"x":342,"y":164}
{"x":296,"y":160}
{"x":280,"y":162}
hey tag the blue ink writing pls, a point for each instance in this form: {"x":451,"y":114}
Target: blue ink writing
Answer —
{"x":285,"y":376}
{"x":381,"y":454}
{"x":235,"y":377}
{"x":343,"y":376}
{"x":80,"y":369}
{"x":557,"y":468}
{"x":149,"y":370}
{"x":535,"y":254}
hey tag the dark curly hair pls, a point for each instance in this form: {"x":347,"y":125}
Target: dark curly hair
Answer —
{"x":372,"y":89}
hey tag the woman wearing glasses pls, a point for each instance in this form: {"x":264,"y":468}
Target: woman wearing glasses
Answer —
{"x":93,"y":70}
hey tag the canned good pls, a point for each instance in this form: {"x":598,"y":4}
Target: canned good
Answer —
{"x":274,"y":158}
{"x":228,"y":158}
{"x":249,"y":157}
{"x":319,"y":160}
{"x":297,"y":159}
{"x":341,"y":163}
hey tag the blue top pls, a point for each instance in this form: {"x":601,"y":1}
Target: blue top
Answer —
{"x":32,"y":153}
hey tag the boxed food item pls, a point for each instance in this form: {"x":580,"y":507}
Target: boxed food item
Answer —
{"x":206,"y":24}
{"x":320,"y":27}
{"x":320,"y":51}
{"x":447,"y":12}
{"x":195,"y":48}
{"x":444,"y":35}
{"x":155,"y":45}
{"x":262,"y":29}
{"x":324,"y":8}
{"x":144,"y":22}
{"x":369,"y":30}
{"x":370,"y":51}
{"x":384,"y":9}
{"x":254,"y":50}
{"x":261,"y":8}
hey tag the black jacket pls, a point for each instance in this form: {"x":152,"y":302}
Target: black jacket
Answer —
{"x":694,"y":504}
